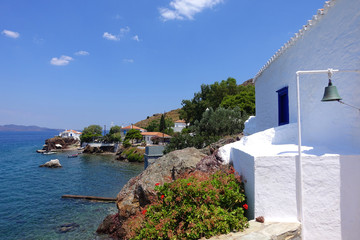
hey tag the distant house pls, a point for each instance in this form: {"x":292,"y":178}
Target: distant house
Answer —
{"x":124,"y":130}
{"x":70,"y":133}
{"x":163,"y":138}
{"x":179,"y":125}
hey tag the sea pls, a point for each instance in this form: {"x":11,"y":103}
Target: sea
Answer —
{"x":31,"y":206}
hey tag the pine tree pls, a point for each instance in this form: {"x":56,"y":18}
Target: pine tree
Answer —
{"x":162,"y":126}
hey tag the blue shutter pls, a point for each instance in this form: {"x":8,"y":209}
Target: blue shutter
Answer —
{"x":283,"y":106}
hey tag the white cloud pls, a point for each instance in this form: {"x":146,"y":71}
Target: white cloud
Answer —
{"x":10,"y":34}
{"x":186,"y":9}
{"x":136,"y":38}
{"x":109,"y":36}
{"x":82,"y":53}
{"x":62,"y":61}
{"x":123,"y":32}
{"x":126,"y":60}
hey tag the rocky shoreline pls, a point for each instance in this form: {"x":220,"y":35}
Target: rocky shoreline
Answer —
{"x":140,"y":189}
{"x":57,"y":143}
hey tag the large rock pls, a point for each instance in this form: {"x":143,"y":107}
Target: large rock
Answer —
{"x":140,"y":189}
{"x":54,"y":163}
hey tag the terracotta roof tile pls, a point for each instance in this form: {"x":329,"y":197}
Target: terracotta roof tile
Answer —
{"x":180,"y":121}
{"x":133,"y":127}
{"x":157,"y":134}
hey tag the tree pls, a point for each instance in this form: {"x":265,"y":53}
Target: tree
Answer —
{"x":91,"y":133}
{"x":153,"y":126}
{"x":114,"y":129}
{"x":162,"y":125}
{"x":133,"y":134}
{"x":245,"y":100}
{"x":114,"y":135}
{"x":212,"y":126}
{"x":220,"y":122}
{"x":210,"y":96}
{"x":126,"y":143}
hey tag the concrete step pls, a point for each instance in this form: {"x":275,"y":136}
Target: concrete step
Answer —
{"x":266,"y":231}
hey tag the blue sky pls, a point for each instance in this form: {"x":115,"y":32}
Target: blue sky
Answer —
{"x":69,"y":64}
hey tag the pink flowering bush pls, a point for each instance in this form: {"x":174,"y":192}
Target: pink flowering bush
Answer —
{"x":198,"y":205}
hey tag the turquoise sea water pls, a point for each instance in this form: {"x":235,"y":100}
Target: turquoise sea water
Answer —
{"x":30,"y":197}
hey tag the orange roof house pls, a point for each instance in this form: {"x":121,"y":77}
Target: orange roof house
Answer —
{"x":124,"y":130}
{"x":134,"y":127}
{"x":147,"y":136}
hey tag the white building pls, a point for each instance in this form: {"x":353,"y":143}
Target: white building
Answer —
{"x":70,"y":133}
{"x":318,"y":187}
{"x":179,"y":125}
{"x":163,"y":138}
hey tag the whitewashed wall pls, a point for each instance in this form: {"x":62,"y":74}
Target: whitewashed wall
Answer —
{"x":331,"y":196}
{"x":333,"y":42}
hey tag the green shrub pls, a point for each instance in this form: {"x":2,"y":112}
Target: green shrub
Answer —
{"x":126,"y":143}
{"x":202,"y":205}
{"x":133,"y":155}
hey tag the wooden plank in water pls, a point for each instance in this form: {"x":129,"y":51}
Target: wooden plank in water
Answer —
{"x":91,"y":198}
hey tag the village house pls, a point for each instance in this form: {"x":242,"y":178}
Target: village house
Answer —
{"x":302,"y":159}
{"x":179,"y":125}
{"x":70,"y":133}
{"x":124,"y":130}
{"x":162,"y":138}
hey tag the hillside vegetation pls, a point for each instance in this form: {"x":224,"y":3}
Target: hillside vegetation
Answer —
{"x":173,"y":115}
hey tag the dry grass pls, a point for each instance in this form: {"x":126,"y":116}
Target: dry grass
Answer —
{"x":173,"y":114}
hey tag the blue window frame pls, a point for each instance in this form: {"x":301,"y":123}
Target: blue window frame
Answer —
{"x":283,"y":106}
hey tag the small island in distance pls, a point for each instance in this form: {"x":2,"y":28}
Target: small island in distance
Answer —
{"x":22,"y":128}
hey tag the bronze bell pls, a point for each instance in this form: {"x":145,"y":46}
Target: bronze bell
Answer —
{"x":331,"y":93}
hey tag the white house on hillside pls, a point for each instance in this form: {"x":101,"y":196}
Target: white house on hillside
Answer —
{"x":70,"y":133}
{"x":179,"y":125}
{"x":314,"y":182}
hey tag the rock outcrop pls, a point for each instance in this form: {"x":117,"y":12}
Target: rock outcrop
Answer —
{"x":95,"y":150}
{"x":54,"y":163}
{"x":140,"y":189}
{"x":131,"y":154}
{"x":52,"y":143}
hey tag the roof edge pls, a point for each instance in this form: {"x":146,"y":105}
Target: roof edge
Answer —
{"x":310,"y":23}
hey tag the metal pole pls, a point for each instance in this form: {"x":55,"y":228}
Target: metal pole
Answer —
{"x":300,"y":206}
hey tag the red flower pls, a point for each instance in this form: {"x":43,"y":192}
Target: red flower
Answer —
{"x":144,"y":211}
{"x":157,"y":184}
{"x":189,"y":184}
{"x":162,"y":196}
{"x":245,"y":206}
